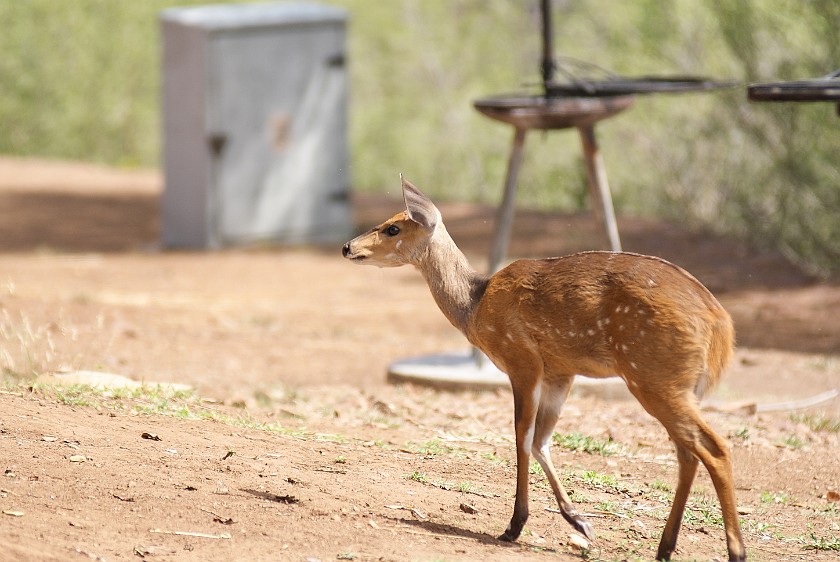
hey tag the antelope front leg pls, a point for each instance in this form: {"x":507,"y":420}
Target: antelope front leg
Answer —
{"x":525,"y":404}
{"x":551,"y":402}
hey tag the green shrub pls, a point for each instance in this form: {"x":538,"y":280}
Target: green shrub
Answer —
{"x":81,"y":81}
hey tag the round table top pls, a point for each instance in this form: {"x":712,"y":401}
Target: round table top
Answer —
{"x":555,"y":112}
{"x":820,"y":89}
{"x":622,"y":86}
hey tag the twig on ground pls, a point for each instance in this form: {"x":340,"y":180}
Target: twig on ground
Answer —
{"x":191,"y":534}
{"x":412,"y":510}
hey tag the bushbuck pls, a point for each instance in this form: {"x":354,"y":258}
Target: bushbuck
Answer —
{"x":593,"y":314}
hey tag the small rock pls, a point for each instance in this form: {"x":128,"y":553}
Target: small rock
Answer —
{"x":77,"y":458}
{"x":467,"y":508}
{"x":832,"y":496}
{"x":578,"y":541}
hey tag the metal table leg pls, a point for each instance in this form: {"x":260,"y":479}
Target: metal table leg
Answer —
{"x":599,"y":189}
{"x":504,"y":214}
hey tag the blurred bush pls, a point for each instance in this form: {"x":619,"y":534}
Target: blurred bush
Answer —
{"x":80,"y":80}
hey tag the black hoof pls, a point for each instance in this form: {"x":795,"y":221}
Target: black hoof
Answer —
{"x":511,"y":533}
{"x":580,"y":524}
{"x":507,"y":536}
{"x":585,"y":527}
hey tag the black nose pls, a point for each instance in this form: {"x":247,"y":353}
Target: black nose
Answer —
{"x":345,"y":249}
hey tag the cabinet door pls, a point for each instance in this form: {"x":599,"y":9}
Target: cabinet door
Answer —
{"x":278,"y":127}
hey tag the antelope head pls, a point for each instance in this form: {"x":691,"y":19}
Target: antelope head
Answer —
{"x":402,"y":239}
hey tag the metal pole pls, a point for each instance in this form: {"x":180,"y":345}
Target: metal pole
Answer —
{"x":548,"y":47}
{"x":504,"y":215}
{"x":599,"y":189}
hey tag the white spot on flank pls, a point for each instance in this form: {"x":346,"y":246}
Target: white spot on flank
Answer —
{"x":651,"y":283}
{"x":618,"y":309}
{"x":591,"y":332}
{"x":509,"y":336}
{"x":624,"y":348}
{"x":571,"y":334}
{"x":633,"y":365}
{"x":626,"y":309}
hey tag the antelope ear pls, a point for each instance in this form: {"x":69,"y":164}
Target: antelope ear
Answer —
{"x":419,"y":207}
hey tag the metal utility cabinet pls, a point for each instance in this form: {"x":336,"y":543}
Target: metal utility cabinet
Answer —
{"x":255,"y":125}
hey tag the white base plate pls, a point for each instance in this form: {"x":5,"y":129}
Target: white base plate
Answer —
{"x":459,"y":370}
{"x":456,"y":370}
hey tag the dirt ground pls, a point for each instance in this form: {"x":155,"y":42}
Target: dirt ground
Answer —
{"x":294,"y":447}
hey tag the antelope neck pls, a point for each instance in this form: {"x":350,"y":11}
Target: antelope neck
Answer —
{"x":455,"y":285}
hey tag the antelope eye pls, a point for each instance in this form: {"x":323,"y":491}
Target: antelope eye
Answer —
{"x":392,"y":230}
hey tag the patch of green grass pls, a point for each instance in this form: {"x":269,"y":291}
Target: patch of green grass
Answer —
{"x":702,"y":517}
{"x":579,"y":442}
{"x":703,"y":510}
{"x":418,"y":477}
{"x":830,"y":509}
{"x":431,"y":447}
{"x":773,"y":497}
{"x":743,"y":434}
{"x":812,"y":542}
{"x":660,"y":486}
{"x":465,"y":487}
{"x":794,"y":441}
{"x":612,"y":507}
{"x":535,"y":468}
{"x":493,"y":458}
{"x":817,"y":422}
{"x":144,"y":399}
{"x":760,"y":527}
{"x":74,"y":395}
{"x":578,"y":497}
{"x":598,"y":479}
{"x":165,"y":401}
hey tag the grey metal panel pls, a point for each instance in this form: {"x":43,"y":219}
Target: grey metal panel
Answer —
{"x":255,"y":112}
{"x":284,"y":166}
{"x":185,"y":202}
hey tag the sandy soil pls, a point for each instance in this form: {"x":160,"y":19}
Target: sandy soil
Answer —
{"x":294,"y":447}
